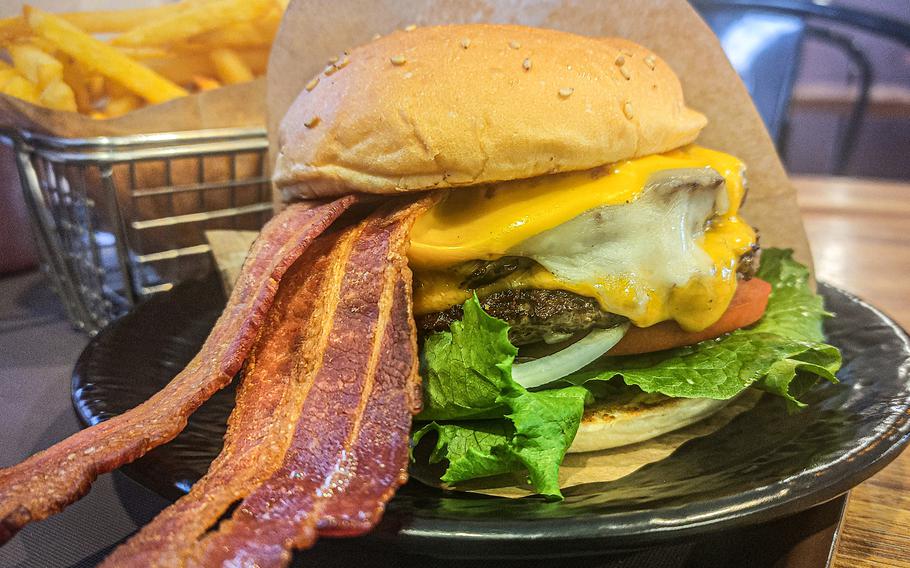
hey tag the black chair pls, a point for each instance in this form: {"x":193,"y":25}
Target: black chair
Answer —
{"x":764,"y":39}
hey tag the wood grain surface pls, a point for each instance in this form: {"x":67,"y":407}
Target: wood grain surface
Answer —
{"x":860,"y":236}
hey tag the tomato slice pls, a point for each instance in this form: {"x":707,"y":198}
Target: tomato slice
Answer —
{"x":747,"y":307}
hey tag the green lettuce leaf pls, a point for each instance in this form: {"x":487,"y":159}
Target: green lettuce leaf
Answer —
{"x":468,"y":375}
{"x":486,"y":424}
{"x":472,"y":449}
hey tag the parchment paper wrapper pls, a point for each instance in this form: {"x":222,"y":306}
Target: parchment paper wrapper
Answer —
{"x":229,"y":249}
{"x":313,"y":31}
{"x":231,"y":106}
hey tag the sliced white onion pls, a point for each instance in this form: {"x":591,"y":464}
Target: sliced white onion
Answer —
{"x":572,"y":358}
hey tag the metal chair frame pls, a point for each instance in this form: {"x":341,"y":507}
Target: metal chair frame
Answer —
{"x":812,"y":11}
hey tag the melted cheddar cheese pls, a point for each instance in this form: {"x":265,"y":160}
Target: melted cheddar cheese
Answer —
{"x":596,"y":233}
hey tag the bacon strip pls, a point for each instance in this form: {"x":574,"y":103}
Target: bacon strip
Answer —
{"x":337,"y":366}
{"x":52,"y":479}
{"x":266,"y":408}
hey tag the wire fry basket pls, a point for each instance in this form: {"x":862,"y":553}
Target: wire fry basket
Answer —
{"x":117,"y":219}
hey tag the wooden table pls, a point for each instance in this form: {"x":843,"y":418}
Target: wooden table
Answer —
{"x":860,"y":236}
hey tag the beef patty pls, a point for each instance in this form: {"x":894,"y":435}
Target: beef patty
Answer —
{"x":536,"y":315}
{"x":533,"y":314}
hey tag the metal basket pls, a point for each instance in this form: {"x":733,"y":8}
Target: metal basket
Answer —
{"x":118,"y":219}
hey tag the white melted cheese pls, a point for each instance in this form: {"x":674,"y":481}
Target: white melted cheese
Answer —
{"x":650,"y":244}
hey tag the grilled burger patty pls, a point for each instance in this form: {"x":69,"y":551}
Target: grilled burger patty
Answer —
{"x":534,"y":314}
{"x":538,"y":314}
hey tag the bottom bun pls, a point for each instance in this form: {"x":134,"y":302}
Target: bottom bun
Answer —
{"x":613,"y":423}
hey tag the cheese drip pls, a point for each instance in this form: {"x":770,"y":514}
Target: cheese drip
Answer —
{"x":688,"y":274}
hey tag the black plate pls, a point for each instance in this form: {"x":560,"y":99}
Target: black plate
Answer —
{"x":763,"y":465}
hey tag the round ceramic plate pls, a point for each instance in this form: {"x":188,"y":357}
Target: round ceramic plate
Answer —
{"x":764,"y":464}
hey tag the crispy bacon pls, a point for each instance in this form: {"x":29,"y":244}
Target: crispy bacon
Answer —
{"x":318,"y":440}
{"x":52,"y":479}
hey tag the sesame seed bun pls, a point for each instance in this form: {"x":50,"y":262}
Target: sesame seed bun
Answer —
{"x":610,"y":424}
{"x":447,"y":106}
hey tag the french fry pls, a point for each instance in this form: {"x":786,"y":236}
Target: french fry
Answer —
{"x":181,"y":68}
{"x":160,"y":53}
{"x":36,"y":65}
{"x":101,"y":57}
{"x":205,"y":83}
{"x":121,"y":105}
{"x":142,"y":52}
{"x":230,"y":68}
{"x":97,"y":22}
{"x":13,"y":29}
{"x":21,"y":88}
{"x":75,"y":78}
{"x":115,"y":90}
{"x":193,"y":20}
{"x":59,"y":96}
{"x":95,"y":86}
{"x":6,"y":73}
{"x":241,"y":34}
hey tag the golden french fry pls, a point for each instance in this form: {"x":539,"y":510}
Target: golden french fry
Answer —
{"x":96,"y":22}
{"x":21,"y":88}
{"x":193,"y":20}
{"x":240,"y":35}
{"x":142,"y":52}
{"x":118,"y":21}
{"x":12,"y":29}
{"x":121,"y":105}
{"x":95,"y":86}
{"x":6,"y":73}
{"x":115,"y":90}
{"x":181,"y":68}
{"x":59,"y":96}
{"x":102,"y":58}
{"x":36,"y":65}
{"x":205,"y":83}
{"x":230,"y":68}
{"x":75,"y":78}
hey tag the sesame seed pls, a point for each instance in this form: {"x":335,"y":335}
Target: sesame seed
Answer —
{"x":620,"y":60}
{"x":514,"y":44}
{"x":566,"y":92}
{"x":343,"y":63}
{"x":376,"y":36}
{"x":311,"y":123}
{"x":398,"y":60}
{"x":465,"y":42}
{"x":649,"y":61}
{"x":330,"y":70}
{"x":526,"y":64}
{"x":624,"y":71}
{"x":408,"y":75}
{"x":410,"y":28}
{"x":627,"y":110}
{"x":312,"y":84}
{"x":333,"y":59}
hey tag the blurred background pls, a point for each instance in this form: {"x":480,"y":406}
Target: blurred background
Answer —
{"x":831,"y":79}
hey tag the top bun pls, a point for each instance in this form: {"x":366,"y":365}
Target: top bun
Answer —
{"x":446,"y":106}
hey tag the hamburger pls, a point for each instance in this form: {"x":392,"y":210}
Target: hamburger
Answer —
{"x":584,"y":277}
